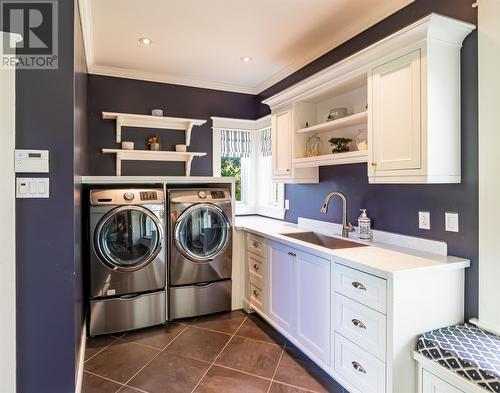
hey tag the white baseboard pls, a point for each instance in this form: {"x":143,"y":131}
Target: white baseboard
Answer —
{"x":81,"y":358}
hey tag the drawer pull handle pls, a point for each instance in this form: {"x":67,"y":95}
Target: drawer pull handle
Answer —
{"x":256,"y":244}
{"x":358,"y":285}
{"x":358,"y":367}
{"x":358,"y":323}
{"x":256,"y":267}
{"x":292,"y":254}
{"x":255,"y":292}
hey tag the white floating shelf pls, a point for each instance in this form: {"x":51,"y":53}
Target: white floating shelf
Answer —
{"x":148,"y":155}
{"x":350,"y":157}
{"x":147,"y":121}
{"x":351,"y":120}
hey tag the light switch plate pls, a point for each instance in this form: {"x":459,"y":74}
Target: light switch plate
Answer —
{"x":32,"y":187}
{"x":451,"y":221}
{"x":424,"y":220}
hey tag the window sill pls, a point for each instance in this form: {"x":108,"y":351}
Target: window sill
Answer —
{"x":267,"y":211}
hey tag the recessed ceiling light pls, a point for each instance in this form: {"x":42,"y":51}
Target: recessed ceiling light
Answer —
{"x":246,"y":59}
{"x":145,"y":40}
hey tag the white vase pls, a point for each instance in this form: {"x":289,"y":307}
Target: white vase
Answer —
{"x":154,"y":146}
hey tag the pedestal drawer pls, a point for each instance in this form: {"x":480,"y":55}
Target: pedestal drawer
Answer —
{"x":363,"y":370}
{"x":362,"y":287}
{"x":256,"y":244}
{"x":255,"y":267}
{"x":361,"y":324}
{"x":256,"y":297}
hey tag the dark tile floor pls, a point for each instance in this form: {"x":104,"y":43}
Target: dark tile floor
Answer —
{"x":222,"y":353}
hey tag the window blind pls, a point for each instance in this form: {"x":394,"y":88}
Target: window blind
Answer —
{"x":265,"y":142}
{"x":235,"y":143}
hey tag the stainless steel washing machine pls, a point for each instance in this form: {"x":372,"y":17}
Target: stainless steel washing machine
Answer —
{"x":127,"y":259}
{"x":200,"y":245}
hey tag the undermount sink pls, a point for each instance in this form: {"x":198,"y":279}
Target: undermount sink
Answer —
{"x":319,"y":239}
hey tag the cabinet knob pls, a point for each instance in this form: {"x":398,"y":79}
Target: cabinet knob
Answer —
{"x":358,"y":367}
{"x":374,"y":163}
{"x":358,"y":285}
{"x":288,"y":169}
{"x":292,"y":254}
{"x":358,"y":323}
{"x":256,"y":244}
{"x":255,"y":266}
{"x":255,"y":292}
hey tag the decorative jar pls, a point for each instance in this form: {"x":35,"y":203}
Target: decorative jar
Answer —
{"x":313,"y":146}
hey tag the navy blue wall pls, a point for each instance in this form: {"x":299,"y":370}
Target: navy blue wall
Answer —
{"x":49,"y":290}
{"x":395,"y":208}
{"x":110,"y":94}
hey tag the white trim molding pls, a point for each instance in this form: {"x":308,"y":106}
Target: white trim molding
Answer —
{"x":356,"y":27}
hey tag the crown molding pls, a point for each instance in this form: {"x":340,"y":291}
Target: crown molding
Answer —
{"x":227,"y":123}
{"x":166,"y":78}
{"x":85,"y":9}
{"x":355,"y":28}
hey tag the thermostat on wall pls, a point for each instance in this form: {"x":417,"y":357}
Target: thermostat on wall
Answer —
{"x":31,"y":161}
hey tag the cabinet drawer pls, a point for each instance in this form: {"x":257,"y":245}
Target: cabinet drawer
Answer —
{"x":362,"y":287}
{"x":256,"y":244}
{"x":363,"y":370}
{"x":256,"y":297}
{"x":255,"y":268}
{"x":361,"y":324}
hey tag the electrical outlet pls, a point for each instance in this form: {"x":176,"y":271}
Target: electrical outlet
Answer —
{"x":287,"y":204}
{"x":424,"y":220}
{"x":451,"y":221}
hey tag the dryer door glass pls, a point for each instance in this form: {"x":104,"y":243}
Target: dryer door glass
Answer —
{"x":128,"y":238}
{"x":202,"y":232}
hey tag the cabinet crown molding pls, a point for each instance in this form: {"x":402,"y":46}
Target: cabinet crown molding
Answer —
{"x":432,"y":28}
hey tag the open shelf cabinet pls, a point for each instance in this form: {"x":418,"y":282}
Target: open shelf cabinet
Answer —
{"x":351,"y":120}
{"x":148,"y":155}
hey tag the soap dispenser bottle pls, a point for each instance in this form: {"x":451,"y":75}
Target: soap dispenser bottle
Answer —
{"x":364,"y":226}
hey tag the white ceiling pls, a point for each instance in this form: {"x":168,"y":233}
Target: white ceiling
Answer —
{"x":200,"y":42}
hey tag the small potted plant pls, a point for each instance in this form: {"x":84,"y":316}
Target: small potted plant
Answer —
{"x":153,"y":142}
{"x":340,"y":145}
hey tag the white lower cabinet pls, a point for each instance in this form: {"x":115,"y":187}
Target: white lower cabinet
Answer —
{"x":281,"y":294}
{"x":358,"y":327}
{"x":433,"y":384}
{"x":312,"y":288}
{"x":299,"y":298}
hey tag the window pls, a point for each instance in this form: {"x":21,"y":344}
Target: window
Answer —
{"x":245,"y":153}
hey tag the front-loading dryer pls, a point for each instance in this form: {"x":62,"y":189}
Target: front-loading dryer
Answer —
{"x":127,"y":259}
{"x":200,"y":250}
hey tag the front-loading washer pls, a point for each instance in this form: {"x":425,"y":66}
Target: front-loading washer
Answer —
{"x":200,"y":251}
{"x":127,"y":259}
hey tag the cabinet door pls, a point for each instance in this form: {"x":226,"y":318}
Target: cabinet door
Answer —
{"x":433,"y":384}
{"x":312,"y":282}
{"x":281,"y":291}
{"x":282,"y":143}
{"x":396,"y":115}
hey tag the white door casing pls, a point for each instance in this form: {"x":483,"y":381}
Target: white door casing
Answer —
{"x":7,"y":229}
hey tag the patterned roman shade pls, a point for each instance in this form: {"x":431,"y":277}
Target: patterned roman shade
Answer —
{"x":235,"y":143}
{"x":265,"y":142}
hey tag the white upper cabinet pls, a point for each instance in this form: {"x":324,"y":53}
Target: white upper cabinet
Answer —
{"x":282,"y":143}
{"x":403,"y":91}
{"x":395,"y":114}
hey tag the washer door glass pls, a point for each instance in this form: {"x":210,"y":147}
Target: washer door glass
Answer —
{"x":128,"y":238}
{"x":202,"y":232}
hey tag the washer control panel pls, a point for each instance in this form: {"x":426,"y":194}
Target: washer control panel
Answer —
{"x":127,"y":196}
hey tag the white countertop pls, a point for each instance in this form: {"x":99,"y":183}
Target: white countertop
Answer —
{"x":154,"y":179}
{"x":378,"y":258}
